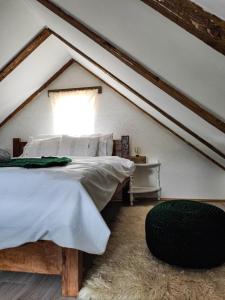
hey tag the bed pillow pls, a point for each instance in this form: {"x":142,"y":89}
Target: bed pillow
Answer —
{"x":43,"y":137}
{"x":42,"y":147}
{"x":105,"y":147}
{"x":78,"y":146}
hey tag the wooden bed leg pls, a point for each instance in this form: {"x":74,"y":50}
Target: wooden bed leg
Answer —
{"x":72,"y":269}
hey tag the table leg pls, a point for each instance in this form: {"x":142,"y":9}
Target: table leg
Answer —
{"x":131,"y":194}
{"x":131,"y":199}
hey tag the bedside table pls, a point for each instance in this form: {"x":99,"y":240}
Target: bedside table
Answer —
{"x":140,"y":183}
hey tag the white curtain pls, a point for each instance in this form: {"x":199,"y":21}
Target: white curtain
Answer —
{"x":74,"y":111}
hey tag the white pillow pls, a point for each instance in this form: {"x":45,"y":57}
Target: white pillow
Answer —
{"x":42,"y":147}
{"x":78,"y":146}
{"x":105,"y":143}
{"x":43,"y":137}
{"x":105,"y":146}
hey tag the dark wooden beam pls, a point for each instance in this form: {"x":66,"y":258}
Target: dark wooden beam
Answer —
{"x":26,"y":51}
{"x":37,"y":92}
{"x":156,"y":120}
{"x":193,"y":18}
{"x":146,"y":100}
{"x":137,"y":67}
{"x":83,"y":88}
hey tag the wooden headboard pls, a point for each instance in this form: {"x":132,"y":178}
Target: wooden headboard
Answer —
{"x":120,"y":147}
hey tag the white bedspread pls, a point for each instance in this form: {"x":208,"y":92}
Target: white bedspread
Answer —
{"x":60,"y":204}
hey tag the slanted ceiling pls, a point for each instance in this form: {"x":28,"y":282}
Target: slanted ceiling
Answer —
{"x":170,"y":52}
{"x":216,"y":7}
{"x":31,"y":73}
{"x":190,"y":16}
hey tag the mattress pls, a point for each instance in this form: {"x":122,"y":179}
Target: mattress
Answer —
{"x":60,"y":204}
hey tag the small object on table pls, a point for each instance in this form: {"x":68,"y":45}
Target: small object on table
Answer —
{"x":138,"y":159}
{"x":137,"y":151}
{"x":137,"y":187}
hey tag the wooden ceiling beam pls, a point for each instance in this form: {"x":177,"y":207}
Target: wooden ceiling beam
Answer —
{"x":26,"y":51}
{"x":146,"y":100}
{"x":68,"y":64}
{"x":193,"y":18}
{"x":156,"y":120}
{"x":37,"y":92}
{"x":137,"y":67}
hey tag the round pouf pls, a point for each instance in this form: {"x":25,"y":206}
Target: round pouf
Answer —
{"x":187,"y":233}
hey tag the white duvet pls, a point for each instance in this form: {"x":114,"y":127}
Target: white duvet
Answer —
{"x":60,"y":204}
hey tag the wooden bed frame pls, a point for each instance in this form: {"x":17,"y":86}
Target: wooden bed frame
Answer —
{"x":45,"y":257}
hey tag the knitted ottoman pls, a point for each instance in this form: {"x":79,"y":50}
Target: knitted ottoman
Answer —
{"x":186,"y":233}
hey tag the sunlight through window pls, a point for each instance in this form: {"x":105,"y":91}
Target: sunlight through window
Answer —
{"x":74,"y":111}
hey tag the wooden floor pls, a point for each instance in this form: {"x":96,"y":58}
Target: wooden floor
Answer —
{"x":24,"y":286}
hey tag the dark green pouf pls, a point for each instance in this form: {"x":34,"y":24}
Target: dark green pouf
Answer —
{"x":187,"y":233}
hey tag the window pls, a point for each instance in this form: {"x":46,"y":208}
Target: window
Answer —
{"x":73,"y":111}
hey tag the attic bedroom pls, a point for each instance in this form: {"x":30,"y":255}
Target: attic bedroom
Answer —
{"x":112,"y":149}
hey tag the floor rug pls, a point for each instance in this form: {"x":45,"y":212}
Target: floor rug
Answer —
{"x":127,"y":271}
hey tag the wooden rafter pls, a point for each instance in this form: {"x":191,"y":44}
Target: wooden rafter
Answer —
{"x":26,"y":51}
{"x":70,"y":62}
{"x":37,"y":92}
{"x":137,"y":67}
{"x":193,"y":18}
{"x":156,"y":120}
{"x":146,"y":100}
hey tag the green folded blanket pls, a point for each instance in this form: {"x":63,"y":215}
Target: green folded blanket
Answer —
{"x":30,"y":163}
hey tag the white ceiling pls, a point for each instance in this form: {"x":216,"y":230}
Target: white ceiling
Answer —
{"x":170,"y":51}
{"x":182,"y":59}
{"x":15,"y":16}
{"x":34,"y":71}
{"x":216,"y":7}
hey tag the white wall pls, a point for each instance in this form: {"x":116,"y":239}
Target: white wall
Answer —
{"x":161,"y":45}
{"x":185,"y":173}
{"x":29,"y":75}
{"x":170,"y":51}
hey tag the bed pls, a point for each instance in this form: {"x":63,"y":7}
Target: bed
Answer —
{"x":47,"y":257}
